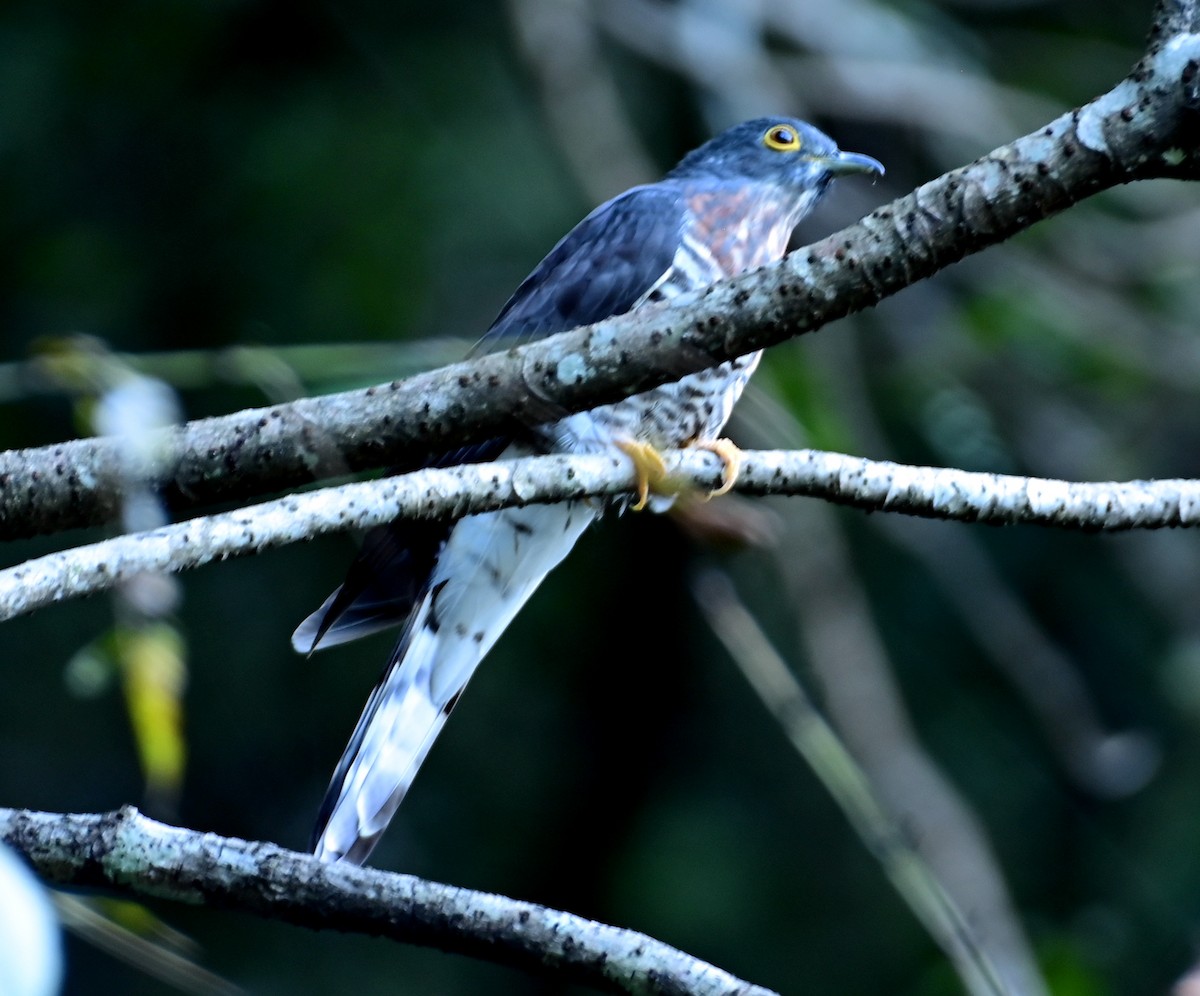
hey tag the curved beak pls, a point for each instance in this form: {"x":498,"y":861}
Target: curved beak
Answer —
{"x":841,"y":163}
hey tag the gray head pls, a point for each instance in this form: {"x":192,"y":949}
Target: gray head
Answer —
{"x":780,"y":151}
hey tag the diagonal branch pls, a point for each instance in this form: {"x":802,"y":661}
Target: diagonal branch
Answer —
{"x":930,"y":492}
{"x":126,"y":853}
{"x":892,"y":835}
{"x":1144,"y":127}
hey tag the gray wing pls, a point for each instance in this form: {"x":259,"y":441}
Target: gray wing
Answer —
{"x":601,"y":268}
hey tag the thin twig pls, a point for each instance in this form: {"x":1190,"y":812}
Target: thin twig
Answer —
{"x":453,"y":492}
{"x":144,"y":954}
{"x":832,"y":763}
{"x":839,"y":637}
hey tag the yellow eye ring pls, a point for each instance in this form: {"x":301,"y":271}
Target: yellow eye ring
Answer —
{"x":781,"y":138}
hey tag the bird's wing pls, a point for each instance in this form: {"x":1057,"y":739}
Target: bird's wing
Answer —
{"x":601,"y":268}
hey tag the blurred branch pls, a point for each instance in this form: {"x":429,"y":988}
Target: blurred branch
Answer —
{"x":936,"y":97}
{"x":720,"y":47}
{"x":580,"y":95}
{"x":453,"y":492}
{"x":65,"y":365}
{"x":883,"y":834}
{"x":1103,"y":761}
{"x":1107,"y":763}
{"x":841,"y":640}
{"x":1144,"y":127}
{"x":146,"y":955}
{"x":126,"y":853}
{"x":862,"y":28}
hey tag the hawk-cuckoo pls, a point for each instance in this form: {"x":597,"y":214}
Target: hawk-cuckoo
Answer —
{"x":729,"y":206}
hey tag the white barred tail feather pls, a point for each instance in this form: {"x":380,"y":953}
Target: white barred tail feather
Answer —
{"x":487,"y":570}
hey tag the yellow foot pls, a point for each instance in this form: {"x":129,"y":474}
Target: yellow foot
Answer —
{"x":730,"y":455}
{"x":651,"y":471}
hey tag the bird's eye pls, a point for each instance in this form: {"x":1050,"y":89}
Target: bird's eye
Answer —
{"x":781,"y":138}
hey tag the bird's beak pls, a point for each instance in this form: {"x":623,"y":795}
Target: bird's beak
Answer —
{"x":841,"y":163}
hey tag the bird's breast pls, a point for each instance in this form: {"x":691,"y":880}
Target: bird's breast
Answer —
{"x":725,"y":232}
{"x":741,"y":230}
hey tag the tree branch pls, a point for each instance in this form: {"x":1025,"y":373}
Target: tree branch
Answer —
{"x":1144,"y":127}
{"x":126,"y":853}
{"x":929,"y":492}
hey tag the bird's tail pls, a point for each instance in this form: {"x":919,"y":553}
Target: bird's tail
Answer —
{"x":401,"y":720}
{"x":488,"y":568}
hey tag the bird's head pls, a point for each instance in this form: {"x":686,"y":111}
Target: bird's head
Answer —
{"x":780,"y":151}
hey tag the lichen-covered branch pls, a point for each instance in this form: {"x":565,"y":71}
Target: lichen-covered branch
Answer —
{"x":1144,"y":127}
{"x":930,"y":492}
{"x":125,"y":853}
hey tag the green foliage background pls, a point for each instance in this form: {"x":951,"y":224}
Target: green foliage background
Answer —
{"x":200,"y":175}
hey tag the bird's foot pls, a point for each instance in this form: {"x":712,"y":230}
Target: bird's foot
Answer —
{"x":730,"y":455}
{"x":652,"y":476}
{"x":650,"y":469}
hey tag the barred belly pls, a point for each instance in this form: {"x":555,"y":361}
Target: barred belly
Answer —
{"x":677,"y":414}
{"x":696,"y":406}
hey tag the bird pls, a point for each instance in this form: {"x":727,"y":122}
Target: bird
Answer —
{"x":727,"y":207}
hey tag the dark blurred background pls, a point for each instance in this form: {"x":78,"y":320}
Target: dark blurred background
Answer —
{"x":183,"y":176}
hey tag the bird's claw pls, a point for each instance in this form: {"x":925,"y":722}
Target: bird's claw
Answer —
{"x":730,"y":456}
{"x":649,"y":467}
{"x":652,"y":473}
